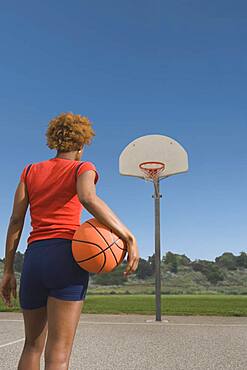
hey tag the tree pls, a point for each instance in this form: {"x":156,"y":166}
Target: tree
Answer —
{"x":174,"y":267}
{"x":199,"y":265}
{"x":183,"y":260}
{"x":214,"y":275}
{"x":241,"y":260}
{"x":18,"y":262}
{"x":169,"y":258}
{"x":151,"y":261}
{"x":208,"y":269}
{"x":172,"y":261}
{"x":227,"y":260}
{"x":145,"y":269}
{"x":114,"y":277}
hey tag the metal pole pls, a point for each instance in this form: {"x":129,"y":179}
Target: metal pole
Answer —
{"x":157,"y":197}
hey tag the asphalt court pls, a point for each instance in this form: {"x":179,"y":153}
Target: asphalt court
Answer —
{"x":120,"y":342}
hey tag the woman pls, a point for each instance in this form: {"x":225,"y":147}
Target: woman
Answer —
{"x":52,"y":286}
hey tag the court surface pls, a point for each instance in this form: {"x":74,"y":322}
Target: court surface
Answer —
{"x":120,"y":342}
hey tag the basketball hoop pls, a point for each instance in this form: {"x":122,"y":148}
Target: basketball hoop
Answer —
{"x":151,"y":170}
{"x":154,"y":158}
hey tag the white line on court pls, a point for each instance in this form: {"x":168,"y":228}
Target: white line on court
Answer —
{"x":155,"y":323}
{"x":147,"y":323}
{"x":8,"y":344}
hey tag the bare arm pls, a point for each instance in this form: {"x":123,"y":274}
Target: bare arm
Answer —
{"x":8,"y":282}
{"x":16,"y":224}
{"x":86,"y":191}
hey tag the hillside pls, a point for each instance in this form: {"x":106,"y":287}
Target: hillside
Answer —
{"x":179,"y":275}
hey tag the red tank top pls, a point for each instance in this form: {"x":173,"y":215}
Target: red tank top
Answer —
{"x":55,"y":208}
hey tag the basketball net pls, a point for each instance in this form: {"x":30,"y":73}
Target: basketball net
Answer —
{"x":151,"y":171}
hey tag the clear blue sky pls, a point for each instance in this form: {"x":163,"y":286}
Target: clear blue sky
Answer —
{"x":176,"y":68}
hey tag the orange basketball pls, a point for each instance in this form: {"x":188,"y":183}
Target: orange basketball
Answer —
{"x":96,"y":248}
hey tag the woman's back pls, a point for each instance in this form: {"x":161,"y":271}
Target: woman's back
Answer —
{"x":55,"y":208}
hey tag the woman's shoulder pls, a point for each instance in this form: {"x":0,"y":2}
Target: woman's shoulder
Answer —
{"x":87,"y":166}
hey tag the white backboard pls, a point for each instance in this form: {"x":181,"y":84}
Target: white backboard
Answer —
{"x":157,"y":148}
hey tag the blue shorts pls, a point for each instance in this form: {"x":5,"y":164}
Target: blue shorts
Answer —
{"x":49,"y":269}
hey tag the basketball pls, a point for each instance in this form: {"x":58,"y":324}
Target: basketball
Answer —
{"x":96,"y":248}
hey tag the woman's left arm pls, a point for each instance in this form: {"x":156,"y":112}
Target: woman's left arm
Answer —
{"x":21,"y":202}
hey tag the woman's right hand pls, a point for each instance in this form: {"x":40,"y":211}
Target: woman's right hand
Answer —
{"x":133,"y":256}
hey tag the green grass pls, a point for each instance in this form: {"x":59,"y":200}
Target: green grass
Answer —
{"x":218,"y":305}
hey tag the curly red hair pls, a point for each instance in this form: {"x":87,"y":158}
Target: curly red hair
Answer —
{"x":69,"y":132}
